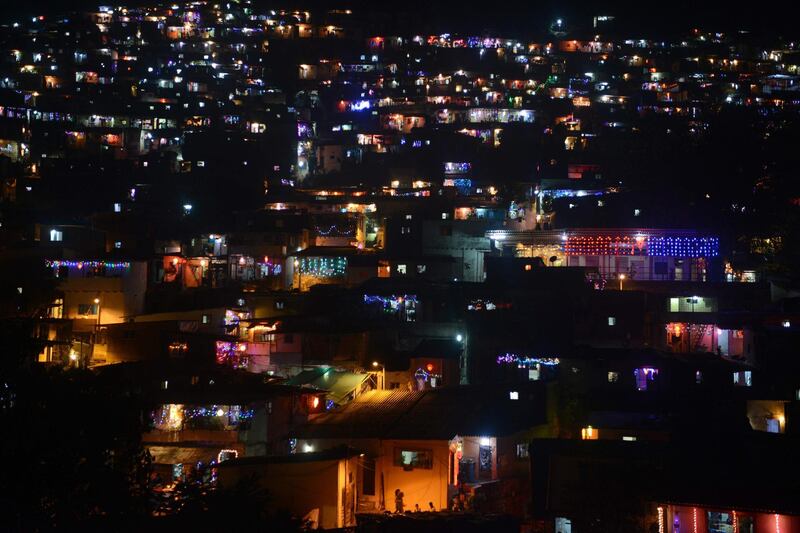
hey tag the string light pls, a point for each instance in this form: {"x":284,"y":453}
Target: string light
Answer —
{"x":661,"y":528}
{"x":333,"y":230}
{"x":642,"y":244}
{"x":58,"y":263}
{"x":694,"y":519}
{"x":777,"y":523}
{"x":173,"y":416}
{"x":233,"y":354}
{"x":523,"y":361}
{"x":324,"y":267}
{"x":390,"y":304}
{"x":735,"y":522}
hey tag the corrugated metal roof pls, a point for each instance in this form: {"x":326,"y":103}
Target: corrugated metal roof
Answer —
{"x":431,"y":414}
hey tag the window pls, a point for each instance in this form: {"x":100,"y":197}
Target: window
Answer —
{"x":629,"y":439}
{"x":513,"y":395}
{"x":644,"y":376}
{"x":405,"y":230}
{"x":206,"y":319}
{"x":56,"y":235}
{"x":445,"y":231}
{"x":637,"y":212}
{"x":409,"y":217}
{"x":612,"y":321}
{"x":279,"y":304}
{"x":401,"y":269}
{"x":786,"y":324}
{"x":698,"y":377}
{"x":444,"y":216}
{"x":743,"y":378}
{"x":201,"y":163}
{"x":522,"y":450}
{"x":613,"y":377}
{"x":421,"y":269}
{"x":411,"y":459}
{"x":117,"y":208}
{"x":117,"y":244}
{"x":87,"y":309}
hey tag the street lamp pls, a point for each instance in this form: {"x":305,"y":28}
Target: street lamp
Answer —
{"x":299,"y":275}
{"x":462,"y":338}
{"x":621,"y":279}
{"x":382,"y":381}
{"x":97,"y":303}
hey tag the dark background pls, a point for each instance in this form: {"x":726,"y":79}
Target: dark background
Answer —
{"x":518,"y":17}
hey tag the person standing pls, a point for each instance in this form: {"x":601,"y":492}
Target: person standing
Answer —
{"x":398,"y":501}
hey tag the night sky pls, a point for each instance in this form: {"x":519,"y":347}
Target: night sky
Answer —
{"x":518,"y":17}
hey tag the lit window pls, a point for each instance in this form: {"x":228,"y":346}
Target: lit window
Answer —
{"x":612,"y":321}
{"x":201,"y":163}
{"x":206,"y":319}
{"x":698,"y":377}
{"x":117,"y":208}
{"x":513,"y":395}
{"x":87,"y":309}
{"x":629,"y":439}
{"x":590,"y":433}
{"x":637,"y":212}
{"x":613,"y":377}
{"x":409,"y":217}
{"x":743,"y":378}
{"x":421,"y":269}
{"x":56,"y":236}
{"x":522,"y":450}
{"x":117,"y":244}
{"x":643,"y":376}
{"x":785,"y":323}
{"x":401,"y":269}
{"x":410,"y":459}
{"x":444,"y":216}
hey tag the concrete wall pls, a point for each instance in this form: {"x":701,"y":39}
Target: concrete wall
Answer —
{"x":300,"y":487}
{"x":419,"y":485}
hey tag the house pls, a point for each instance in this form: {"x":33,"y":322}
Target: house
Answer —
{"x":435,"y":444}
{"x":319,"y":486}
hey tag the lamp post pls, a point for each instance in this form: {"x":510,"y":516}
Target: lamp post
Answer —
{"x":382,"y":380}
{"x":97,"y":303}
{"x":464,"y":372}
{"x":621,"y":279}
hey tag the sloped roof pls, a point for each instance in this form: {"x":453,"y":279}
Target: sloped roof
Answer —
{"x":338,"y":383}
{"x":432,"y":414}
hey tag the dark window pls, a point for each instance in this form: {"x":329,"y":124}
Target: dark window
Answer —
{"x":445,"y":231}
